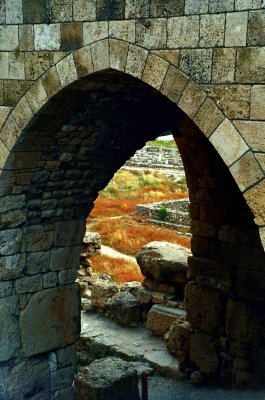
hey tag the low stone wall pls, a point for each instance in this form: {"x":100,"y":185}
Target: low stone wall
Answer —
{"x":156,"y":157}
{"x":174,"y":213}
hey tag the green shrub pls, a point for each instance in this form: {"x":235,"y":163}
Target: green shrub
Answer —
{"x":162,"y":213}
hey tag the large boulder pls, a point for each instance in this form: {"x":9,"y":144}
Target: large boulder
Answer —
{"x":164,"y":262}
{"x":125,"y":309}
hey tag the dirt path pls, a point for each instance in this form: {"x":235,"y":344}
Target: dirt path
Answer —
{"x":108,"y":251}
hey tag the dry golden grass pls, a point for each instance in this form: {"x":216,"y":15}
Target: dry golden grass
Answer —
{"x":129,"y":235}
{"x":121,"y":270}
{"x":127,"y":189}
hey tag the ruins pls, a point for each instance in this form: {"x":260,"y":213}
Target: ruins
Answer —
{"x":83,"y":85}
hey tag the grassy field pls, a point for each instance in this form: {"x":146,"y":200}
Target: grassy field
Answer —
{"x":129,"y":188}
{"x":114,"y":218}
{"x":170,"y":144}
{"x":121,"y":270}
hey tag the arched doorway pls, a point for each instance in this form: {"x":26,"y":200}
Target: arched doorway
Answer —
{"x":68,"y":152}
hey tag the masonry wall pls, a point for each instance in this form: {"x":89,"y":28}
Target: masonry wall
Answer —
{"x":71,"y":114}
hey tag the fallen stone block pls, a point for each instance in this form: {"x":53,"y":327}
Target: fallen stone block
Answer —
{"x":160,"y":318}
{"x":109,"y":379}
{"x":125,"y":309}
{"x":101,"y":294}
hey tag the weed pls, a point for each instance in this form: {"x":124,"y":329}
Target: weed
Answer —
{"x":162,"y":213}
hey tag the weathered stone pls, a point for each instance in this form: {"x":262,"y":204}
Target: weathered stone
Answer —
{"x":107,"y":9}
{"x":29,"y":284}
{"x":110,"y":378}
{"x":10,"y":242}
{"x":177,"y":338}
{"x":197,"y":63}
{"x":174,"y":84}
{"x":60,"y":308}
{"x":163,"y":262}
{"x":255,"y":199}
{"x":210,"y":273}
{"x":257,"y":100}
{"x":125,"y":309}
{"x":160,"y":319}
{"x":256,"y":26}
{"x":159,"y":8}
{"x":236,"y":29}
{"x":203,"y":353}
{"x":202,"y":120}
{"x":157,"y":33}
{"x":62,"y":378}
{"x":94,"y":31}
{"x":64,"y":394}
{"x":35,"y":372}
{"x":234,"y":100}
{"x":212,"y":28}
{"x":221,"y":5}
{"x":71,"y":36}
{"x":223,"y":65}
{"x":253,"y":133}
{"x":191,"y":99}
{"x":243,"y":322}
{"x":132,"y":287}
{"x":136,"y":59}
{"x":35,"y":238}
{"x":249,"y":67}
{"x":67,"y":276}
{"x":50,"y":279}
{"x":84,"y":10}
{"x":66,"y":70}
{"x":198,"y":7}
{"x":47,"y":37}
{"x":232,"y":149}
{"x":9,"y":329}
{"x":6,"y":289}
{"x":124,"y":30}
{"x":204,"y":308}
{"x":64,"y":258}
{"x":69,"y":233}
{"x":11,"y":267}
{"x":179,"y":34}
{"x":246,"y":171}
{"x":9,"y":37}
{"x":155,"y":71}
{"x":37,"y":262}
{"x":101,"y":294}
{"x":136,"y":9}
{"x":66,"y":356}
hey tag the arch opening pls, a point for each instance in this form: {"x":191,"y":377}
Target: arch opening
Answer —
{"x":69,"y":152}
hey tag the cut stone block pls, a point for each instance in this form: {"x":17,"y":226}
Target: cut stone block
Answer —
{"x":160,"y":319}
{"x":101,"y":294}
{"x":125,"y":308}
{"x":110,"y":378}
{"x":60,"y":309}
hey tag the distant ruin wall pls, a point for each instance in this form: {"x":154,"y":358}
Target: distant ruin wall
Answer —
{"x":156,"y":157}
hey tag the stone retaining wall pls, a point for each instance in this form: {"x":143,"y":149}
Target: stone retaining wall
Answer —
{"x":156,"y":157}
{"x":175,"y":212}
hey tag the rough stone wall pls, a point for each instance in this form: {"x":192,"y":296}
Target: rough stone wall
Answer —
{"x":63,"y":136}
{"x":156,"y":157}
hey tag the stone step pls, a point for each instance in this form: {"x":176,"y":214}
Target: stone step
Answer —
{"x":160,"y":318}
{"x":101,"y":337}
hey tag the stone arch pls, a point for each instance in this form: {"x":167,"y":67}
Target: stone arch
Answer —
{"x":56,"y":242}
{"x":165,"y":77}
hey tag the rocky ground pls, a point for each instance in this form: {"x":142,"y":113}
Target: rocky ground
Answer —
{"x":148,"y":353}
